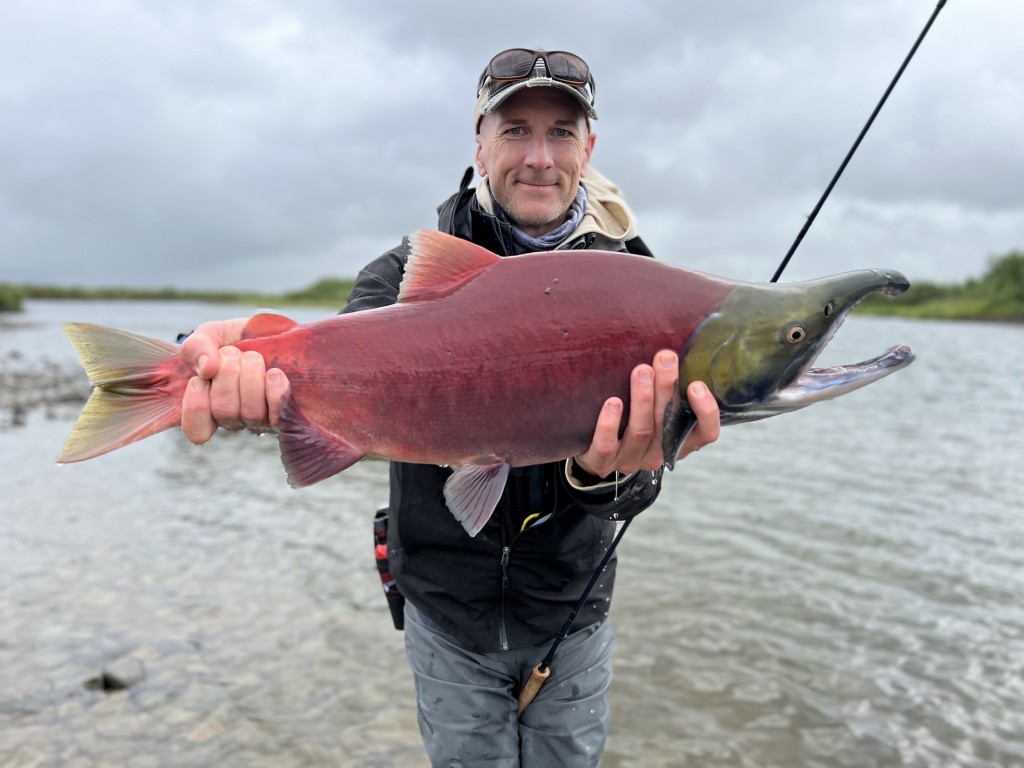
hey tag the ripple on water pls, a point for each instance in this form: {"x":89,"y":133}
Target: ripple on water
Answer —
{"x":837,"y":587}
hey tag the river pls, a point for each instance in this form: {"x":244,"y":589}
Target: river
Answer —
{"x":843,"y":586}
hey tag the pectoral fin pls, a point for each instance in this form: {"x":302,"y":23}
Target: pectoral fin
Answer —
{"x":679,"y":422}
{"x":472,"y":493}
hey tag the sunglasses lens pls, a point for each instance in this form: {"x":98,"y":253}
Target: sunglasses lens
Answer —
{"x":512,"y":64}
{"x":567,"y":67}
{"x":517,"y":64}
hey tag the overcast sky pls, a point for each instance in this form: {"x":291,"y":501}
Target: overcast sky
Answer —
{"x":265,"y":144}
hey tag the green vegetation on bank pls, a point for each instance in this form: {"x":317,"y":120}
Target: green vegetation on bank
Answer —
{"x":11,"y":297}
{"x":997,"y":295}
{"x":328,"y":292}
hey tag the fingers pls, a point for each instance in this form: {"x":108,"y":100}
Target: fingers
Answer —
{"x":651,"y":389}
{"x":201,"y":347}
{"x":705,"y":408}
{"x":196,"y":421}
{"x":252,"y":391}
{"x":641,"y":429}
{"x":209,"y":404}
{"x":599,"y":458}
{"x":232,"y":389}
{"x":277,"y":389}
{"x":666,"y":374}
{"x":225,"y":390}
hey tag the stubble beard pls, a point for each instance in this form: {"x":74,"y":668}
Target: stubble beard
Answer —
{"x":540,"y":222}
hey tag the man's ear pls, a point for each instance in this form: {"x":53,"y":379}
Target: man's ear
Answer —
{"x":588,"y":149}
{"x":480,"y":167}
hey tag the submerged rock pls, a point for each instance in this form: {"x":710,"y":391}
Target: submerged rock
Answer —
{"x":118,"y":675}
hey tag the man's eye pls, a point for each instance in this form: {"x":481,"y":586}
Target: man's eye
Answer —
{"x":562,"y":133}
{"x":515,"y":130}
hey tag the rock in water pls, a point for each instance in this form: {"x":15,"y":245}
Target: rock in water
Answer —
{"x":118,"y":675}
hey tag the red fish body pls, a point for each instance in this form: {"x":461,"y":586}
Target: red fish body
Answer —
{"x":512,"y":366}
{"x":486,"y":363}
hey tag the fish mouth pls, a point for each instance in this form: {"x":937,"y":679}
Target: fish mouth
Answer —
{"x":812,"y":385}
{"x":816,"y":384}
{"x":807,"y":384}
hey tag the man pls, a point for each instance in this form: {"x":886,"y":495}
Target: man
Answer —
{"x":481,"y":611}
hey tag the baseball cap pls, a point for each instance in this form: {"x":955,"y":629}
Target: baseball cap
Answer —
{"x":517,"y":68}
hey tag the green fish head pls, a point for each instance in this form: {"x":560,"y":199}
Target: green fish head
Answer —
{"x":756,"y":353}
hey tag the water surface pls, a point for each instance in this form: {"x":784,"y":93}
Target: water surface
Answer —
{"x":837,"y":587}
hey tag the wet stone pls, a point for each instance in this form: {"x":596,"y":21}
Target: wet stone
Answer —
{"x":118,"y":675}
{"x":206,"y":731}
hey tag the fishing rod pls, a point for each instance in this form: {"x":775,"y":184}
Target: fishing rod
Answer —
{"x":856,"y":144}
{"x":542,"y":671}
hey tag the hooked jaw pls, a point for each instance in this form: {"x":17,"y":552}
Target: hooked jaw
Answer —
{"x":816,"y":384}
{"x":812,"y":385}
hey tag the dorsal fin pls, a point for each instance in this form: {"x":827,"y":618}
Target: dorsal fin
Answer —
{"x":440,"y":264}
{"x":266,"y":324}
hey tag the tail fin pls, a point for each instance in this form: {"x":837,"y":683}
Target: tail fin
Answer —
{"x":138,"y":390}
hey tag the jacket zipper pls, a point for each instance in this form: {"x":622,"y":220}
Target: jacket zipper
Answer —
{"x":516,"y":503}
{"x":515,"y":491}
{"x":502,"y":626}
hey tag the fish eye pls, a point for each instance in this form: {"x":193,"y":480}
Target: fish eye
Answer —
{"x":796,"y":333}
{"x":829,"y":309}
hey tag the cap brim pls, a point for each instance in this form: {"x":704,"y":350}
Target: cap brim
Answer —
{"x":496,"y":99}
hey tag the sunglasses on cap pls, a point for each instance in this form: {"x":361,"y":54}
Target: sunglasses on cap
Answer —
{"x":518,"y":64}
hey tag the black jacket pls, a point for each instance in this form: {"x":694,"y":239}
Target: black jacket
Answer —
{"x":504,"y":588}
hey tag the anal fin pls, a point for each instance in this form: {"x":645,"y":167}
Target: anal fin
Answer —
{"x":309,"y":453}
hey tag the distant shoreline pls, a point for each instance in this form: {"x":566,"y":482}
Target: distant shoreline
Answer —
{"x":873,"y":306}
{"x":945,"y":309}
{"x":329,"y":292}
{"x":997,"y":296}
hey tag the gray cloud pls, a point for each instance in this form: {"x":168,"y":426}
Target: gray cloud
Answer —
{"x":264,"y":145}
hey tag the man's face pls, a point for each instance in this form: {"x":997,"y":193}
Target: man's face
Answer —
{"x":534,"y":149}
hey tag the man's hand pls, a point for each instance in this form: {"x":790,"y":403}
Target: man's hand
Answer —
{"x":651,"y":388}
{"x":231,"y":389}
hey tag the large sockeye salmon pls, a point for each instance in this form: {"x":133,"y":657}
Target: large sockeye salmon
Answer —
{"x":487,"y":363}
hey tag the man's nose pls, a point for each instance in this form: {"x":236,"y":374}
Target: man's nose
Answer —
{"x":539,"y":154}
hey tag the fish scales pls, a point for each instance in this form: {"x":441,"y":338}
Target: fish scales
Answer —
{"x":531,"y":347}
